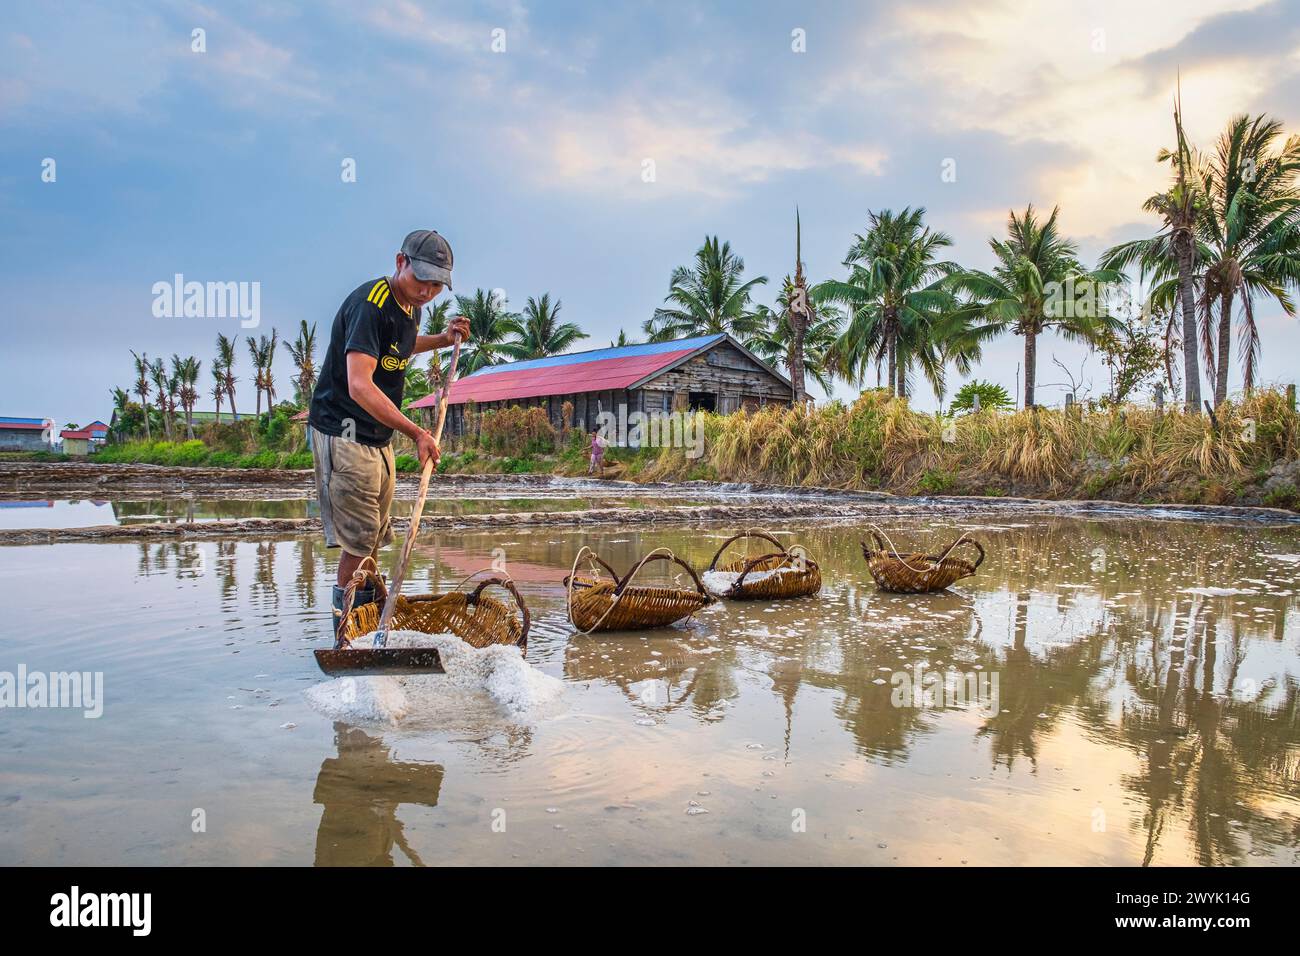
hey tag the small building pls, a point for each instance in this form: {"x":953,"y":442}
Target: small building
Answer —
{"x":712,"y":373}
{"x":25,"y":434}
{"x":76,"y":441}
{"x":98,"y":433}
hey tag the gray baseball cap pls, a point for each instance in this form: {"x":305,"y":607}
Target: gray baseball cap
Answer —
{"x":430,"y":256}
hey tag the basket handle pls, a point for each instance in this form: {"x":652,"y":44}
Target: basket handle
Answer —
{"x":744,"y":534}
{"x":750,"y":565}
{"x":978,"y":547}
{"x":509,"y":585}
{"x":660,"y":554}
{"x":360,"y":577}
{"x":592,"y":555}
{"x":880,"y":542}
{"x":963,"y":539}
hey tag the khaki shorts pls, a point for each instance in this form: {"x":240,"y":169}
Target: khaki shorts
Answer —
{"x":355,"y":485}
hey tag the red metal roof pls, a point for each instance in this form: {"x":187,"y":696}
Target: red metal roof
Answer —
{"x":81,"y":433}
{"x":596,"y":371}
{"x":26,"y":425}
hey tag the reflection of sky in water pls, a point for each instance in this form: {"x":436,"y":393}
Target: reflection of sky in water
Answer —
{"x":1120,"y":686}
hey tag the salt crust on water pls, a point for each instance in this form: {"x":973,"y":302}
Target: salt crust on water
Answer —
{"x":718,"y":583}
{"x":477,"y":682}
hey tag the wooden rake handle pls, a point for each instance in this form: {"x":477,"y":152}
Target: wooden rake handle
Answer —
{"x":399,"y":573}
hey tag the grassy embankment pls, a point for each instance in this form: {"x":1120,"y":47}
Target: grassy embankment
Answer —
{"x":1249,"y":453}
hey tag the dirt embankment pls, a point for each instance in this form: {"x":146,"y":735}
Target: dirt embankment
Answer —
{"x":737,"y":505}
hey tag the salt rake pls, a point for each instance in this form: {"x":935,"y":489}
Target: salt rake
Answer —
{"x":343,"y":660}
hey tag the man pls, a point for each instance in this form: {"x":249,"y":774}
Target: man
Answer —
{"x":356,"y":406}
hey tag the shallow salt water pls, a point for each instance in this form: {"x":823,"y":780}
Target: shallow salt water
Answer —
{"x":1144,"y":710}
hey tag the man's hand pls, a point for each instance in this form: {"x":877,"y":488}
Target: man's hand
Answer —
{"x":456,"y":328}
{"x":427,"y":448}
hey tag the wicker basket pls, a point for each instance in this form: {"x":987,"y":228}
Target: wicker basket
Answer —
{"x":799,"y":575}
{"x":917,"y":573}
{"x":477,"y":619}
{"x":598,"y":604}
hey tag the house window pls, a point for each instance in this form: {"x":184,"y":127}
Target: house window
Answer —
{"x":704,"y":401}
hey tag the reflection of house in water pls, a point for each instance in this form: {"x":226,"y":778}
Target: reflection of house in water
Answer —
{"x":360,"y":791}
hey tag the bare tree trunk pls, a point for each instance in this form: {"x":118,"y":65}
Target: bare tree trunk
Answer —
{"x":234,"y":415}
{"x":1225,"y":345}
{"x":893,"y":364}
{"x":800,"y":325}
{"x":1031,"y":355}
{"x":901,"y":389}
{"x":147,"y":431}
{"x":1191,"y":366}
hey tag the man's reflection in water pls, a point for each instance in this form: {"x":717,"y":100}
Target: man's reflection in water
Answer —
{"x":360,"y":790}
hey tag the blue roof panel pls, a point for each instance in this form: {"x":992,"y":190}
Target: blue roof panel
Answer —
{"x":595,"y":355}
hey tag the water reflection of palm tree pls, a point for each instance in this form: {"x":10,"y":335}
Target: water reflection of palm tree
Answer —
{"x":226,"y":561}
{"x":360,"y":791}
{"x":305,"y":583}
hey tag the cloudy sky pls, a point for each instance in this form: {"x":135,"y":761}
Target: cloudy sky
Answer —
{"x":522,"y":132}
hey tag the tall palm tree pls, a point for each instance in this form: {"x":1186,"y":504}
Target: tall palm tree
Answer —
{"x":436,"y":319}
{"x":303,"y":351}
{"x":708,"y":298}
{"x":163,"y":389}
{"x":621,"y":341}
{"x":255,"y":352}
{"x":226,"y":359}
{"x":121,"y":402}
{"x":542,"y":332}
{"x":798,"y":316}
{"x":774,"y":342}
{"x":1253,"y":242}
{"x":218,"y":387}
{"x":142,"y":370}
{"x":262,"y":352}
{"x":268,"y":371}
{"x":895,"y":290}
{"x":1037,"y":284}
{"x":491,"y":327}
{"x":185,"y":373}
{"x":1173,"y":257}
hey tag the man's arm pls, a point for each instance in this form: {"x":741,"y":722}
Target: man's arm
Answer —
{"x":443,"y":340}
{"x":364,"y":391}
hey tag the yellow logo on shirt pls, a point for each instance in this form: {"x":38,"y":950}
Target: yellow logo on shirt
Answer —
{"x":391,"y":363}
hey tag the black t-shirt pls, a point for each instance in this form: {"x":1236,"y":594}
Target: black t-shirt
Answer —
{"x":369,"y":321}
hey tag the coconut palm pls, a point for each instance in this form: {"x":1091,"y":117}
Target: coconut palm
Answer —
{"x":185,"y":375}
{"x":218,"y":387}
{"x":436,"y":319}
{"x":255,"y":352}
{"x":491,"y":327}
{"x":142,"y":370}
{"x":774,"y":342}
{"x":1253,"y":241}
{"x":262,"y":351}
{"x":1037,"y":284}
{"x":164,"y":389}
{"x":895,"y":296}
{"x":621,"y":341}
{"x":798,"y":316}
{"x":268,"y":372}
{"x":121,"y":404}
{"x":303,"y":351}
{"x":542,"y":332}
{"x":708,"y":298}
{"x":226,"y":361}
{"x":1173,"y":257}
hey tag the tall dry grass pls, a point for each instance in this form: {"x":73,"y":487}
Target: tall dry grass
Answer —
{"x":879,"y":442}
